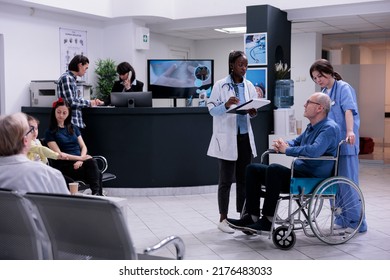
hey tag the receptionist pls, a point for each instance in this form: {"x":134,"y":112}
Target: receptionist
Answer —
{"x":127,"y":81}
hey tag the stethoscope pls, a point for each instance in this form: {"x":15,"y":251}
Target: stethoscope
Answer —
{"x":332,"y":90}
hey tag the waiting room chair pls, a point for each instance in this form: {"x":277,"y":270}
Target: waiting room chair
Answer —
{"x":21,"y":234}
{"x":102,"y":165}
{"x":86,"y":227}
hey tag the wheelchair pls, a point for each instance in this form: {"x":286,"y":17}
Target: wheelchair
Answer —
{"x":313,"y":206}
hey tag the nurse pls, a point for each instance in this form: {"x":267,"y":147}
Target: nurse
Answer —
{"x":232,"y":141}
{"x":344,"y":111}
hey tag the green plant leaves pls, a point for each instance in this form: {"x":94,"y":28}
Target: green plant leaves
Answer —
{"x":106,"y":73}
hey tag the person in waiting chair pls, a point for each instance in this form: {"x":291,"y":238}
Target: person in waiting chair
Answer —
{"x":63,"y":136}
{"x":17,"y":172}
{"x":37,"y":152}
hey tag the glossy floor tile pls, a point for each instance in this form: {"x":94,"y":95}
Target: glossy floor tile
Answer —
{"x":194,"y":218}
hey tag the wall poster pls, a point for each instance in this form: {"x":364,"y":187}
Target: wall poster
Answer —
{"x":255,"y":46}
{"x":258,"y":77}
{"x":72,"y":43}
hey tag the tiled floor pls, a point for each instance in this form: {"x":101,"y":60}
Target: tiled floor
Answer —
{"x":381,"y":154}
{"x":194,"y":218}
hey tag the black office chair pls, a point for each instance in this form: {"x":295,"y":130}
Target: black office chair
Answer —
{"x":83,"y":227}
{"x":21,"y":234}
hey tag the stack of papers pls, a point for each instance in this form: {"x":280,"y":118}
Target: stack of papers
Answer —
{"x":251,"y":104}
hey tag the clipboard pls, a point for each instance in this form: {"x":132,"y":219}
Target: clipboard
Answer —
{"x":255,"y":103}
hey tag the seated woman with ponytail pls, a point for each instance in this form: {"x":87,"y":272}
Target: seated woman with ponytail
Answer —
{"x":63,"y":137}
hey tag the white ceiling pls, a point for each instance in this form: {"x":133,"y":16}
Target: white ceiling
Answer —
{"x":363,"y":21}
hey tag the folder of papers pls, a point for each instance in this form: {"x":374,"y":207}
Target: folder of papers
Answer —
{"x":255,"y":103}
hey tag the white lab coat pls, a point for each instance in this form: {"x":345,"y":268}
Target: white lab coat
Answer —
{"x":223,"y":144}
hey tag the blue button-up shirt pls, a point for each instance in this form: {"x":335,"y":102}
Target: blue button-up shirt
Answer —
{"x":321,"y":139}
{"x":241,"y":119}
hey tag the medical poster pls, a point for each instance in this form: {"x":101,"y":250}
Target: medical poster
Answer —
{"x":258,"y":77}
{"x":255,"y":45}
{"x":72,"y":43}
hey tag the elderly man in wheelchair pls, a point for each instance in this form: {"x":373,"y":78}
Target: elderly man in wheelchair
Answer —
{"x":320,"y":140}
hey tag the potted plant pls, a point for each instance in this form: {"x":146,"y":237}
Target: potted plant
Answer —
{"x":106,"y":73}
{"x":281,"y":70}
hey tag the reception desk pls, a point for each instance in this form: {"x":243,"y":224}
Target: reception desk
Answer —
{"x":155,"y":147}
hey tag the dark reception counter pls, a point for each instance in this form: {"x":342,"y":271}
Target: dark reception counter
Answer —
{"x":155,"y":147}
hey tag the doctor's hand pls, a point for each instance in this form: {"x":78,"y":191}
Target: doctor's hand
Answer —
{"x":252,"y":112}
{"x":231,"y":101}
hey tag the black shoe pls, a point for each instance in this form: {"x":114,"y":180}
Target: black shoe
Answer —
{"x":241,"y":223}
{"x":261,"y":225}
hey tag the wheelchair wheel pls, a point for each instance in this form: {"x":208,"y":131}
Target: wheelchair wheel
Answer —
{"x":282,"y":241}
{"x":336,"y":210}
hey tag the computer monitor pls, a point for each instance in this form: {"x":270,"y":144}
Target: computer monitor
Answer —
{"x":131,"y":99}
{"x":180,"y":78}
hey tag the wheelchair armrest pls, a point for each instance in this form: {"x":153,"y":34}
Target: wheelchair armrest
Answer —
{"x":317,"y":158}
{"x":102,"y":163}
{"x":175,"y":240}
{"x":309,"y":158}
{"x":266,"y":153}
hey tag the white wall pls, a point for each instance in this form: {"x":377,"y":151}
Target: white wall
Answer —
{"x":30,"y":42}
{"x":31,"y":49}
{"x":34,"y":55}
{"x":305,"y":49}
{"x":218,"y":50}
{"x":40,"y":60}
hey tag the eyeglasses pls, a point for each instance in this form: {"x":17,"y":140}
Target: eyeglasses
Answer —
{"x":312,"y":102}
{"x":30,"y":130}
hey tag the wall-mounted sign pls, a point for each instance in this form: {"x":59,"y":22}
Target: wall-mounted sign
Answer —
{"x":72,"y":43}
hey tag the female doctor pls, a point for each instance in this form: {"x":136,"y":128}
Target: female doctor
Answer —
{"x":344,"y":111}
{"x":232,"y":141}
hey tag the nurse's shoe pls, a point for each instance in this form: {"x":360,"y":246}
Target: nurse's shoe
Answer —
{"x":224,"y":227}
{"x":349,"y":229}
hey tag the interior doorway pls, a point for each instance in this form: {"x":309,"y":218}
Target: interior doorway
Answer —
{"x":367,"y":50}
